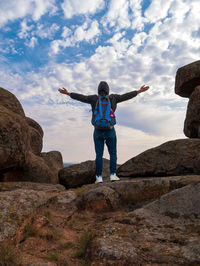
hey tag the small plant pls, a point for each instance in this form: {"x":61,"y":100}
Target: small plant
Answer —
{"x":84,"y":243}
{"x":7,"y":257}
{"x":30,"y":230}
{"x":53,"y":257}
{"x":48,"y":215}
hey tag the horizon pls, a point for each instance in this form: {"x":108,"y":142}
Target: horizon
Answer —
{"x":75,"y":44}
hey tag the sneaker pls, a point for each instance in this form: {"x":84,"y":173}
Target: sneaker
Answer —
{"x":113,"y":177}
{"x":98,"y":179}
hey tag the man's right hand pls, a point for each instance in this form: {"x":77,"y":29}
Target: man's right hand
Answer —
{"x":64,"y":91}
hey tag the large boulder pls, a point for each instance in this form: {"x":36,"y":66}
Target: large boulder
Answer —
{"x":14,"y":139}
{"x":177,"y":157}
{"x":192,"y":120}
{"x":180,"y":202}
{"x":77,"y":175}
{"x":36,"y":136}
{"x":21,"y":145}
{"x":84,"y":173}
{"x":10,"y":101}
{"x":36,"y":169}
{"x":187,"y":78}
{"x":14,"y":133}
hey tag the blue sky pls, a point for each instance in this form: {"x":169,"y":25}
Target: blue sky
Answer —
{"x":47,"y":44}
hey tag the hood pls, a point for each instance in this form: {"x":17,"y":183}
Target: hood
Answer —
{"x":103,"y":88}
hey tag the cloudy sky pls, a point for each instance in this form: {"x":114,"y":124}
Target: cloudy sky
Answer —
{"x":47,"y":44}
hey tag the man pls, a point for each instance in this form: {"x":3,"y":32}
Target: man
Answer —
{"x":104,"y":136}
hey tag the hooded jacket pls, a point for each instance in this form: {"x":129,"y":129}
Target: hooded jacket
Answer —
{"x":103,"y":89}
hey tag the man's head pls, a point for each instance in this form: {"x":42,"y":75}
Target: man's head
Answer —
{"x":103,"y":88}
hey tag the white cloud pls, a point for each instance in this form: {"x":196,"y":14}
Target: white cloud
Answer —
{"x":46,"y":31}
{"x":117,"y":15}
{"x":25,"y":30}
{"x":11,"y":10}
{"x":138,"y":20}
{"x":76,"y":7}
{"x":32,"y":42}
{"x":87,"y":32}
{"x":120,"y":43}
{"x":158,"y":10}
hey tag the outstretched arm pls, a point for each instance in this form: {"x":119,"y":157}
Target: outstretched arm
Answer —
{"x":78,"y":96}
{"x":130,"y":95}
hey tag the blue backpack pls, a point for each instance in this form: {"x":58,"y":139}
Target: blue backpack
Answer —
{"x":103,"y":116}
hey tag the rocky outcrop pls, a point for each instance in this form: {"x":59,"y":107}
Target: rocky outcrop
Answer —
{"x":182,"y":202}
{"x":166,"y":230}
{"x":132,"y":222}
{"x":178,"y":157}
{"x":131,"y":192}
{"x":187,"y":78}
{"x":80,"y":174}
{"x":187,"y":84}
{"x":21,"y":145}
{"x":192,"y":120}
{"x":18,"y":201}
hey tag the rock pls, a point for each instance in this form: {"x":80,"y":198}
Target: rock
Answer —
{"x":65,"y":198}
{"x":114,"y":248}
{"x":36,"y":136}
{"x":10,"y":102}
{"x":170,"y":226}
{"x":131,"y":193}
{"x":165,"y":238}
{"x":14,"y":139}
{"x":100,"y":199}
{"x":54,"y":160}
{"x":80,"y":174}
{"x":180,"y":202}
{"x":14,"y":208}
{"x":65,"y":201}
{"x":187,"y":78}
{"x":36,"y":170}
{"x":177,"y":157}
{"x":34,"y":124}
{"x":192,"y":251}
{"x":21,"y":145}
{"x":192,"y":120}
{"x":48,"y":188}
{"x":18,"y":200}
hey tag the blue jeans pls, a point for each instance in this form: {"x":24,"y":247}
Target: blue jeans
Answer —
{"x":108,"y":137}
